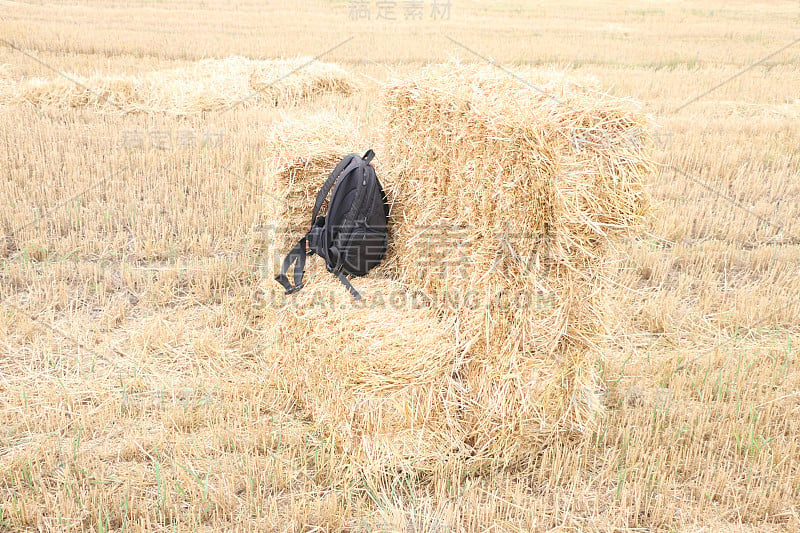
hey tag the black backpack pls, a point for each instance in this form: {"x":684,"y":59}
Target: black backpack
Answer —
{"x":352,"y":237}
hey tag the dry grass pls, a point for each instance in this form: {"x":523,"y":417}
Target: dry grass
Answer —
{"x":134,"y":342}
{"x":208,"y":85}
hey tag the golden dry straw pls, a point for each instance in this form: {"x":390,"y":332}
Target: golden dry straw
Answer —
{"x":507,"y":207}
{"x":378,"y":376}
{"x":206,"y":85}
{"x":515,"y":194}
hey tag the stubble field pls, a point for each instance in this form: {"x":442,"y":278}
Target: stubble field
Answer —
{"x":134,"y":354}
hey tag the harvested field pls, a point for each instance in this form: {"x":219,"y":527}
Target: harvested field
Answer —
{"x":628,"y":364}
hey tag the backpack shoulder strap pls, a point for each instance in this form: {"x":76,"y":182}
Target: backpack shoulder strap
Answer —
{"x":341,"y":169}
{"x":296,"y":255}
